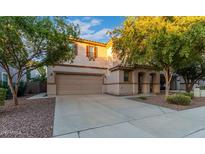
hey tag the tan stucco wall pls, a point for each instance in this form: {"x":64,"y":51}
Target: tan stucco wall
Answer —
{"x":126,"y":89}
{"x":112,"y":77}
{"x":113,"y":81}
{"x":51,"y":89}
{"x":78,"y":70}
{"x":81,"y":59}
{"x":131,"y":87}
{"x":112,"y":89}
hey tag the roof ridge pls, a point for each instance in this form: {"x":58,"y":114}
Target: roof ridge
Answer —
{"x":92,"y":41}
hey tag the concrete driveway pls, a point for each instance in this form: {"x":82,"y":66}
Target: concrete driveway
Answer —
{"x":110,"y":116}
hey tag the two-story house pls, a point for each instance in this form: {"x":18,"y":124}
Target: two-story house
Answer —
{"x":96,"y":70}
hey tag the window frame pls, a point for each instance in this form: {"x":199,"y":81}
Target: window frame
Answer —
{"x":2,"y":77}
{"x":91,"y":52}
{"x":74,"y":47}
{"x":128,"y":76}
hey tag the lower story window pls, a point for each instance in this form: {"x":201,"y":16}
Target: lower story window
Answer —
{"x":4,"y":78}
{"x":126,"y":76}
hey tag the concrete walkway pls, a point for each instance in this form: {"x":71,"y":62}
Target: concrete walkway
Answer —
{"x":38,"y":96}
{"x":111,"y":117}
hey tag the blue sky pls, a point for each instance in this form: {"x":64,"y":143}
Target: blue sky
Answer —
{"x":95,"y":27}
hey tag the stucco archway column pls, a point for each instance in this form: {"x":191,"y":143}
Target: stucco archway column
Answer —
{"x":156,"y":83}
{"x":135,"y":81}
{"x":51,"y":83}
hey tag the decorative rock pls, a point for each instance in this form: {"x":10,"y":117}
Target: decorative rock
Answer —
{"x":31,"y":118}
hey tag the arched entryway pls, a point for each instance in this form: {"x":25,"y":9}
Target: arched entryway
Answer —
{"x":141,"y":76}
{"x":162,"y":82}
{"x":152,"y":80}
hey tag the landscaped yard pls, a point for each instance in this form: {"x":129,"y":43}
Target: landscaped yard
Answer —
{"x":160,"y":101}
{"x":31,"y":118}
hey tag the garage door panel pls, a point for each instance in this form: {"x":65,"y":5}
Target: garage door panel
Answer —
{"x":78,"y":84}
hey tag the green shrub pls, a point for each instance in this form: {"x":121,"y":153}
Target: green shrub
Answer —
{"x":21,"y":88}
{"x":5,"y":86}
{"x":143,"y":97}
{"x":3,"y":93}
{"x":191,"y":95}
{"x":179,"y":99}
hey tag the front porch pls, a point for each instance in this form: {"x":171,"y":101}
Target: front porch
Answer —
{"x":132,"y":81}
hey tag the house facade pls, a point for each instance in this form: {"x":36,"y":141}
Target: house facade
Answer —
{"x":178,"y":83}
{"x":4,"y":76}
{"x":96,"y":70}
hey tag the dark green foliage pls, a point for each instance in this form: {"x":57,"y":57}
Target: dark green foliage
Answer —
{"x":5,"y":86}
{"x":179,"y":99}
{"x":27,"y":43}
{"x":191,"y":95}
{"x":42,"y":75}
{"x":22,"y":88}
{"x":2,"y":96}
{"x":167,"y":43}
{"x":193,"y":68}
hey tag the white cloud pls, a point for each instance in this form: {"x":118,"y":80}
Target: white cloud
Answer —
{"x":101,"y":34}
{"x":87,"y":28}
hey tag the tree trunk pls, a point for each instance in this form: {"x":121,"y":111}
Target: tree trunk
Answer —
{"x":189,"y":86}
{"x":13,"y":91}
{"x":15,"y":98}
{"x":168,"y":77}
{"x":167,"y":87}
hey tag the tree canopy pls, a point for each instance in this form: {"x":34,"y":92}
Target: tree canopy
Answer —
{"x":158,"y":41}
{"x":192,"y":69}
{"x":27,"y":43}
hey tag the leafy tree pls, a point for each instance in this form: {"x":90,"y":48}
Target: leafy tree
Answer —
{"x":42,"y":72}
{"x":167,"y":54}
{"x":156,"y":41}
{"x":191,"y":74}
{"x":194,"y":67}
{"x":41,"y":76}
{"x":41,"y":39}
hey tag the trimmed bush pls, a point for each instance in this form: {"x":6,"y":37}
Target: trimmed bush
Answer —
{"x":179,"y":99}
{"x":3,"y":93}
{"x":191,"y":95}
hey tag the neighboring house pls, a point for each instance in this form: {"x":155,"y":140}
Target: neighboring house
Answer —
{"x":178,"y":83}
{"x":96,"y":70}
{"x":4,"y":76}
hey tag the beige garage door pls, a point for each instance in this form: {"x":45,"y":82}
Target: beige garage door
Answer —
{"x":78,"y":84}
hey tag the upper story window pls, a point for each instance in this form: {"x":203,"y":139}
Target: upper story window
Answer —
{"x":91,"y":52}
{"x":74,"y":46}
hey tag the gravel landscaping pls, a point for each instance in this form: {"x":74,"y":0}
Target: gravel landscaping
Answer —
{"x":31,"y":118}
{"x":160,"y":101}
